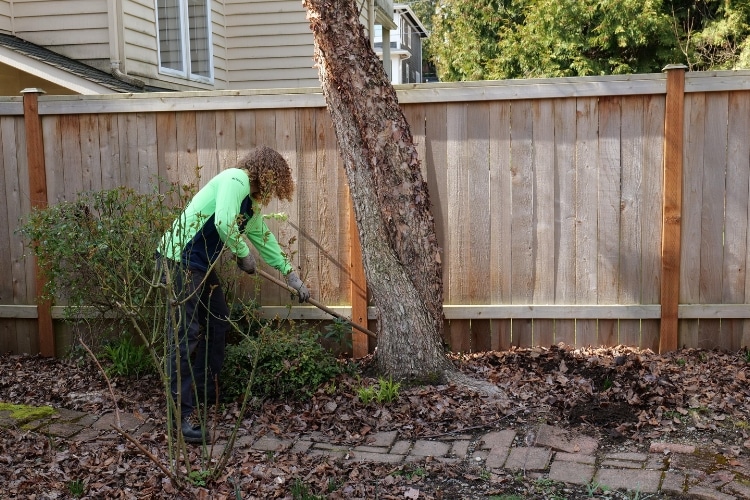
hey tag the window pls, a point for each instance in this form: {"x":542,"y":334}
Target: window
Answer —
{"x":184,"y":28}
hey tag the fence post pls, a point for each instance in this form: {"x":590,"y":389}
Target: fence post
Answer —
{"x":360,"y":341}
{"x":38,"y":195}
{"x":672,"y":207}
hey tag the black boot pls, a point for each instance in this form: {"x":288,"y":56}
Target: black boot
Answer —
{"x":191,"y":433}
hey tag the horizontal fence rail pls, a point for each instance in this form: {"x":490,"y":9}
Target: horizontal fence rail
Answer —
{"x":489,"y":311}
{"x":548,"y":196}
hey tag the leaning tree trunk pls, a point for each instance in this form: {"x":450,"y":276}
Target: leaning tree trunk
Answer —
{"x":391,"y":204}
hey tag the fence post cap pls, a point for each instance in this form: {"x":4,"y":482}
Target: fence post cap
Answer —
{"x":33,"y":90}
{"x":674,"y":66}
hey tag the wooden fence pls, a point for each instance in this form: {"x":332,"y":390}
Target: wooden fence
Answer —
{"x":590,"y":211}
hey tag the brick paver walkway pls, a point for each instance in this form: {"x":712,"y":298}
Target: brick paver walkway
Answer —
{"x":547,"y":451}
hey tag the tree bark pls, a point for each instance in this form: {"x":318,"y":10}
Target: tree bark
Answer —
{"x":400,"y":253}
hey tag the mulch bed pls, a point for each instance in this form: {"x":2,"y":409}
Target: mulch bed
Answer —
{"x":620,"y":395}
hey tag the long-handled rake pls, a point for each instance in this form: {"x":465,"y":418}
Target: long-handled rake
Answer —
{"x":317,"y":304}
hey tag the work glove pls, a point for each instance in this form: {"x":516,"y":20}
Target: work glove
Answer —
{"x":247,"y":263}
{"x":293,"y":281}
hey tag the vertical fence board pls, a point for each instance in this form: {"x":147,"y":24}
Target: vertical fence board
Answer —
{"x":226,"y":140}
{"x":187,"y":148}
{"x":148,"y":167}
{"x":522,"y":258}
{"x":245,"y":131}
{"x":9,"y":176}
{"x":586,"y":216}
{"x":281,"y":132}
{"x":127,"y":130}
{"x":265,"y":135}
{"x":712,"y":211}
{"x":91,"y":163}
{"x":543,"y":133}
{"x":608,"y":240}
{"x":565,"y":186}
{"x":630,"y":221}
{"x":24,"y":271}
{"x":739,"y":156}
{"x":308,"y":194}
{"x":70,"y":132}
{"x":735,"y":241}
{"x":286,"y":142}
{"x":416,"y":118}
{"x":265,"y":128}
{"x":478,"y":220}
{"x":436,"y":144}
{"x":651,"y":218}
{"x":500,"y":200}
{"x":459,"y":238}
{"x":109,"y":151}
{"x":692,"y":190}
{"x":327,"y":215}
{"x":166,"y":148}
{"x":53,"y":159}
{"x":207,"y":130}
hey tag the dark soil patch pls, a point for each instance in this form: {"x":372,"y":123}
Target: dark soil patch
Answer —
{"x":605,"y":415}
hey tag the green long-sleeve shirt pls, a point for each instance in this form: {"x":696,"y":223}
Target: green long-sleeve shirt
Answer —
{"x":217,"y":216}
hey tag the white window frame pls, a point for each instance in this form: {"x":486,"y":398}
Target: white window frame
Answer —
{"x":184,"y":25}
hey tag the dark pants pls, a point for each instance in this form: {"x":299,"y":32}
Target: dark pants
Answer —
{"x":201,"y":320}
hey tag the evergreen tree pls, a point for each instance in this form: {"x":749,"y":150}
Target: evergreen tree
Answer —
{"x":499,"y":39}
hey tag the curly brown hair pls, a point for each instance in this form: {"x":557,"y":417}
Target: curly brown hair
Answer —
{"x":270,"y":170}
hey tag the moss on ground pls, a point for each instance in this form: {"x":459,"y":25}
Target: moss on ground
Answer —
{"x":24,"y":414}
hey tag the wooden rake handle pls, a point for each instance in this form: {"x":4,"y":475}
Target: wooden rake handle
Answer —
{"x":317,"y":304}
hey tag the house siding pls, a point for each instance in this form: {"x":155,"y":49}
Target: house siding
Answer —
{"x":270,"y":45}
{"x":139,"y":57}
{"x":6,"y":16}
{"x":256,"y":43}
{"x":73,"y":28}
{"x":219,"y":27}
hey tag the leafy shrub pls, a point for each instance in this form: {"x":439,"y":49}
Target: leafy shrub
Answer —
{"x":290,"y":362}
{"x":98,"y":252}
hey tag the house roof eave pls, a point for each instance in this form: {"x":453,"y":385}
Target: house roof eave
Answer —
{"x":64,"y":71}
{"x":52,"y":74}
{"x":406,"y":11}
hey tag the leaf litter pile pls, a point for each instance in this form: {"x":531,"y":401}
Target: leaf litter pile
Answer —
{"x":622,"y":396}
